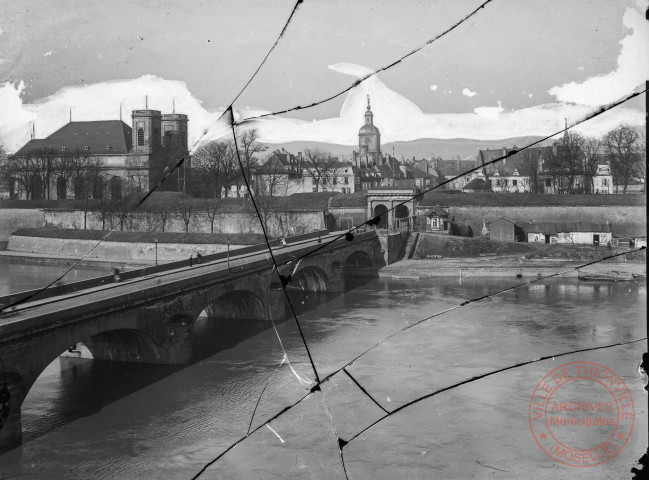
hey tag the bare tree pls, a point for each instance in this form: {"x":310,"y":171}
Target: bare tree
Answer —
{"x":123,"y":206}
{"x":320,"y":167}
{"x":185,"y":209}
{"x":571,"y":158}
{"x":249,"y":148}
{"x":592,"y":149}
{"x":163,"y":215}
{"x":210,"y":207}
{"x":5,"y":175}
{"x":530,"y":161}
{"x":217,"y":168}
{"x":624,"y":150}
{"x":31,"y":171}
{"x":102,"y":205}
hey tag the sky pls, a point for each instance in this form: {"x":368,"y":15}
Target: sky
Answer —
{"x":514,"y":68}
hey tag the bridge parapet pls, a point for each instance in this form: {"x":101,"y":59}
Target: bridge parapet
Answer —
{"x":150,"y":319}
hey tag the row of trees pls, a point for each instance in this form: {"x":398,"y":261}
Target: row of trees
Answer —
{"x":577,"y":157}
{"x":216,"y":168}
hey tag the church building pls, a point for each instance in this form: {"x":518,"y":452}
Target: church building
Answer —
{"x":102,"y":158}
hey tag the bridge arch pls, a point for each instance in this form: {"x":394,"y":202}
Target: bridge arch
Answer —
{"x":227,"y":320}
{"x":358,"y":269}
{"x":119,"y":344}
{"x":381,"y":210}
{"x":125,"y":345}
{"x":310,"y":279}
{"x":240,"y":304}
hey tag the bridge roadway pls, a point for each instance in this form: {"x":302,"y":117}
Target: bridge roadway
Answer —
{"x":150,"y":318}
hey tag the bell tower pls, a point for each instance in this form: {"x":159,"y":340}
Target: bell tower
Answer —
{"x":146,"y":130}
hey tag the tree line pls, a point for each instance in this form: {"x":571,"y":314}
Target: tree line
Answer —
{"x":577,"y":157}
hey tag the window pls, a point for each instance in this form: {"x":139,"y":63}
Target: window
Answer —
{"x":548,"y":182}
{"x":140,"y":137}
{"x":605,"y":182}
{"x":116,"y":188}
{"x":86,"y":147}
{"x":346,"y":180}
{"x":514,"y":182}
{"x":314,"y":181}
{"x":335,"y":180}
{"x":61,"y":188}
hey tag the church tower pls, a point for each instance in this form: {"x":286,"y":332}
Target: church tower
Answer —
{"x":146,"y":131}
{"x":369,"y":140}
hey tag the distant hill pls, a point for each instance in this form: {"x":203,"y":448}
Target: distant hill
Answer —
{"x":465,"y":148}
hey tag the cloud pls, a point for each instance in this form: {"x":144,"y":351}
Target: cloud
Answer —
{"x":101,"y":101}
{"x":398,"y":118}
{"x":468,"y":93}
{"x":632,"y":69}
{"x":433,"y":87}
{"x":401,"y":120}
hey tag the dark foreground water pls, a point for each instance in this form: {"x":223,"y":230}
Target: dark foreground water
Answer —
{"x":103,"y":420}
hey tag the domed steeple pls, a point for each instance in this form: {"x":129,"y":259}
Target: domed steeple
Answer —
{"x":369,"y":139}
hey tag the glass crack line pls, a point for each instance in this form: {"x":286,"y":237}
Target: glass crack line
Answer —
{"x":384,"y":68}
{"x":270,"y":250}
{"x":374,"y":220}
{"x":277,"y":415}
{"x":281,"y":34}
{"x":362,"y":388}
{"x":514,"y":287}
{"x":407,"y":327}
{"x":254,"y":411}
{"x":75,"y":264}
{"x":488,"y":374}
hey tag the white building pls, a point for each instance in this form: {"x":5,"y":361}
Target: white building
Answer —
{"x":577,"y":233}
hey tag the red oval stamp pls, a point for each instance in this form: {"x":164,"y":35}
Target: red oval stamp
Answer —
{"x":581,"y":414}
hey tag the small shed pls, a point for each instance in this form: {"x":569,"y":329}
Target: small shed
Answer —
{"x":437,"y":220}
{"x":632,"y":235}
{"x":502,"y":230}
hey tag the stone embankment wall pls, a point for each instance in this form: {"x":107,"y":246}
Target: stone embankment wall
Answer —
{"x":11,"y":219}
{"x":280,"y":223}
{"x":122,"y":251}
{"x":474,"y":215}
{"x":392,"y":245}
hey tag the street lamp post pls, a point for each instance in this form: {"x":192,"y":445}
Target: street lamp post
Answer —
{"x":155,"y":240}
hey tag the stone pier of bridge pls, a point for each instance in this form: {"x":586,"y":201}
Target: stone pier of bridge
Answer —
{"x":151,"y":319}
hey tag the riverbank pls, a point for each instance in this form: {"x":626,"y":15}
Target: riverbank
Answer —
{"x":508,"y":266}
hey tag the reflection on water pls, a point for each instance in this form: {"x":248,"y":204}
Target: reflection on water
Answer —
{"x":110,"y":419}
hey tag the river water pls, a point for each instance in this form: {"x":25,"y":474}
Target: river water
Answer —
{"x":105,"y":420}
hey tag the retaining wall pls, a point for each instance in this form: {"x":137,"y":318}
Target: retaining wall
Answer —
{"x":11,"y":219}
{"x":475,"y":215}
{"x":113,"y":250}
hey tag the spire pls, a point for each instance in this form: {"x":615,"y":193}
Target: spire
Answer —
{"x":369,"y":116}
{"x":70,"y":114}
{"x":565,"y":132}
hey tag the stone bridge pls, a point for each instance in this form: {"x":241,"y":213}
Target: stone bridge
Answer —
{"x":150,"y":318}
